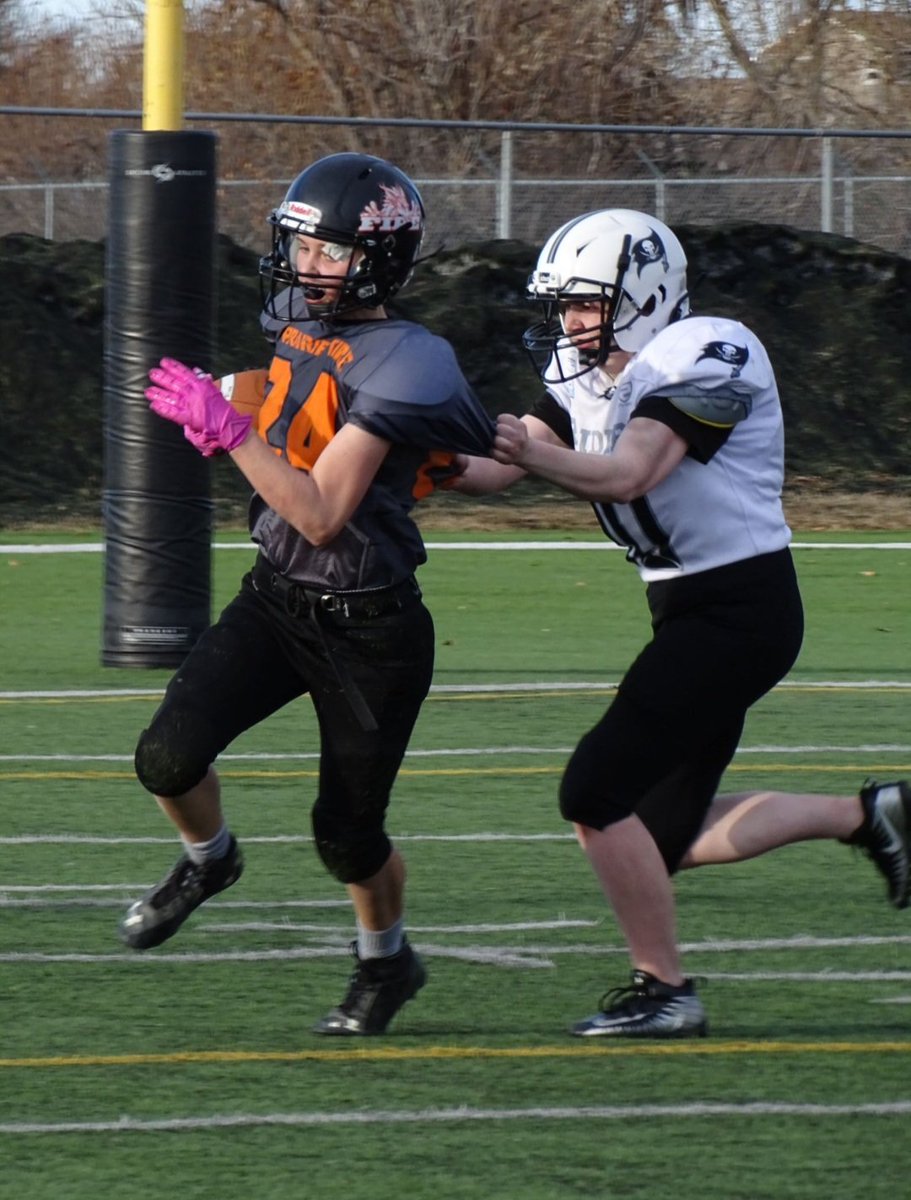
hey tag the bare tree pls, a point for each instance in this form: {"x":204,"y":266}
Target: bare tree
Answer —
{"x":614,"y":62}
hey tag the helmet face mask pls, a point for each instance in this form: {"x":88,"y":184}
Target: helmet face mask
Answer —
{"x":322,"y":292}
{"x":361,"y":208}
{"x":560,"y":353}
{"x":629,"y":267}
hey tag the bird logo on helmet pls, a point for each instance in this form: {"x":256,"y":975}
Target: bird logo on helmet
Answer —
{"x":365,"y":209}
{"x":630,"y":263}
{"x":397,"y":211}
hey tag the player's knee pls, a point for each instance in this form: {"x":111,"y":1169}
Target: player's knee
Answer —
{"x":350,"y":853}
{"x":584,"y":799}
{"x":166,"y":766}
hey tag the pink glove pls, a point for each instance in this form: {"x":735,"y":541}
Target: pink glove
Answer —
{"x":188,"y":397}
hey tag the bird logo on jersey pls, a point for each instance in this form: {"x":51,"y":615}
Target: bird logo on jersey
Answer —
{"x":647,"y":251}
{"x":735,"y":356}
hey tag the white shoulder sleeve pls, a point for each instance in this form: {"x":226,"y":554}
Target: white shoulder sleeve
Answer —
{"x":711,"y":368}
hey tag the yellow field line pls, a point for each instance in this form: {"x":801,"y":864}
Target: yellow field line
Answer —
{"x":405,"y":1054}
{"x":451,"y":772}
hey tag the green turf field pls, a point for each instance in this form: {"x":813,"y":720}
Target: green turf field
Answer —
{"x":190,"y":1071}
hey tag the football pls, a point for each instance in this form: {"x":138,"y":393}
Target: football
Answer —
{"x":245,"y":390}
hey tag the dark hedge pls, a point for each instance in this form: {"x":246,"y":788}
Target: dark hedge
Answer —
{"x":835,"y":316}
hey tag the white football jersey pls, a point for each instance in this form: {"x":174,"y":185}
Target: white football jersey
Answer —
{"x":704,"y":514}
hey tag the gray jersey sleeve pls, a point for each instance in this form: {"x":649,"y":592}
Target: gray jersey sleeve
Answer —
{"x":416,"y":395}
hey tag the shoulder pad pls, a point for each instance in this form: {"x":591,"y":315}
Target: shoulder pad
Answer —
{"x":721,"y":407}
{"x":711,"y":368}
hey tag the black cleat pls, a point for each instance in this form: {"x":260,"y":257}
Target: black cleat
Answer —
{"x":647,"y":1008}
{"x":885,"y":835}
{"x":376,"y":991}
{"x":158,"y":914}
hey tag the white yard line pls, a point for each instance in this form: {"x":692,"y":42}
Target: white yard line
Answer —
{"x":480,"y":689}
{"x":64,"y":839}
{"x":334,"y":943}
{"x":461,"y":752}
{"x":460,"y":1114}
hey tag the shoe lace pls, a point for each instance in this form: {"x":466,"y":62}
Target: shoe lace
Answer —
{"x":176,"y":882}
{"x":368,"y":979}
{"x":620,"y":997}
{"x":359,"y":981}
{"x":625,"y":996}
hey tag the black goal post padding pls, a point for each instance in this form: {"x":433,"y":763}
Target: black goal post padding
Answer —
{"x":159,"y":301}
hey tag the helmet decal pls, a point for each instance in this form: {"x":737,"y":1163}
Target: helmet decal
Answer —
{"x":649,"y":250}
{"x":395,"y":212}
{"x":726,"y":352}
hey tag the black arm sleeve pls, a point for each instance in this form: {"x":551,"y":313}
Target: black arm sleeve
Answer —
{"x":557,"y":419}
{"x":703,"y":440}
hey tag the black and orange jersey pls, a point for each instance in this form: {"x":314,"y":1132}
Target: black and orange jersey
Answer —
{"x":396,"y":380}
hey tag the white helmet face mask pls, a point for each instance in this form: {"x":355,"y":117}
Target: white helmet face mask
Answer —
{"x":630,"y":263}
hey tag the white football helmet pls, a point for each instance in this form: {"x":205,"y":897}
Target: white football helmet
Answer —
{"x":629,"y":261}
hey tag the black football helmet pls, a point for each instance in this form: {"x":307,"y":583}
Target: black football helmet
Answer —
{"x":366,"y":209}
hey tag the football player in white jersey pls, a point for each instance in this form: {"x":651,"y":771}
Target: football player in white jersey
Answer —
{"x":671,"y":425}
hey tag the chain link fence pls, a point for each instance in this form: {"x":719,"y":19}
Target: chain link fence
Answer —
{"x":497,"y":180}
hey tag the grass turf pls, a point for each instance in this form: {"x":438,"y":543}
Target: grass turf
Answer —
{"x":476,"y":1092}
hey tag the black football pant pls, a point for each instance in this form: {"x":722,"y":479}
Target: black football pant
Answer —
{"x":255,"y":659}
{"x":722,"y":639}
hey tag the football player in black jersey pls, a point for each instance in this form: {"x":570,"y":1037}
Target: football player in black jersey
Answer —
{"x":671,"y":425}
{"x":361,"y":415}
